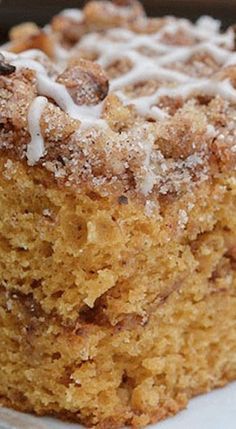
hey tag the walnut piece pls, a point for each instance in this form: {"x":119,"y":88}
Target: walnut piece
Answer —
{"x":118,"y":116}
{"x":86,"y":82}
{"x":182,"y":135}
{"x":23,"y":31}
{"x":105,"y":14}
{"x":5,"y":68}
{"x":68,"y":30}
{"x":229,"y":73}
{"x":29,"y":36}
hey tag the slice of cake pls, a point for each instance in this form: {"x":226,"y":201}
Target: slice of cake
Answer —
{"x":117,"y":215}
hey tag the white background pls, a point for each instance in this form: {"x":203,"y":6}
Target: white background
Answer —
{"x":216,"y":410}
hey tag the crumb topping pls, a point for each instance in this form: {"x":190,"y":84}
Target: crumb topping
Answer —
{"x":85,"y":81}
{"x":108,"y":99}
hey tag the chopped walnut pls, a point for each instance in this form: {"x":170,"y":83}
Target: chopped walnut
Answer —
{"x":167,"y":130}
{"x":86,"y":82}
{"x":68,"y":30}
{"x":5,"y":68}
{"x":223,"y":150}
{"x":30,"y":36}
{"x":179,"y":37}
{"x":57,"y":123}
{"x":23,"y":31}
{"x":134,"y":8}
{"x":119,"y":67}
{"x":181,"y":136}
{"x":104,"y":14}
{"x":228,"y":73}
{"x":118,"y":116}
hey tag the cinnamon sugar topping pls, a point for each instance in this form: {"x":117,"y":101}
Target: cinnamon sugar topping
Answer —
{"x":147,"y":116}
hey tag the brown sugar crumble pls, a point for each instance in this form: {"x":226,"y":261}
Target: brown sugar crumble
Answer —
{"x":117,"y":214}
{"x":186,"y":99}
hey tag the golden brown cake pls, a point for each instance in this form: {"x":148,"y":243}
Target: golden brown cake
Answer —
{"x":117,"y":215}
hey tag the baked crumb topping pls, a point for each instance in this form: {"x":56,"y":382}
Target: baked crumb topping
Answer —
{"x":118,"y":103}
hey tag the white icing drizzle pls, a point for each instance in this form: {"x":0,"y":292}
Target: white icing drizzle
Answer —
{"x":115,"y":44}
{"x":118,"y":43}
{"x":35,"y":149}
{"x":46,"y":86}
{"x":75,"y":14}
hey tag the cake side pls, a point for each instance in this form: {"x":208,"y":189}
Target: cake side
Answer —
{"x":106,"y":319}
{"x":117,"y":228}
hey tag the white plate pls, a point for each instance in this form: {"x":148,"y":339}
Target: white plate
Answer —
{"x":216,"y":410}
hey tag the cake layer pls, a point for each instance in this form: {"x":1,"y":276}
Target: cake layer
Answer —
{"x":109,"y":317}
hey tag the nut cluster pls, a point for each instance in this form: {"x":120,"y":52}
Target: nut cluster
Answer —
{"x":86,"y":82}
{"x":5,"y":68}
{"x":29,"y":36}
